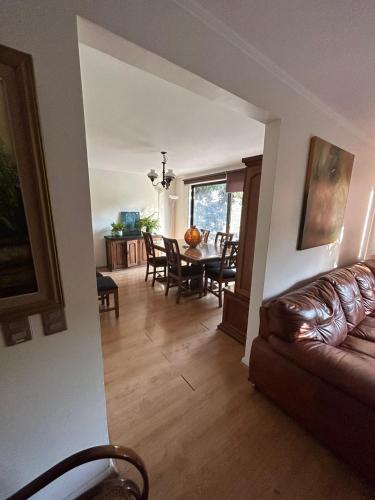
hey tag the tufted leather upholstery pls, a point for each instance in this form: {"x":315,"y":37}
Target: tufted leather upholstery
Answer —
{"x":347,"y":289}
{"x":315,"y":357}
{"x":366,"y":283}
{"x":365,"y":329}
{"x":312,"y":313}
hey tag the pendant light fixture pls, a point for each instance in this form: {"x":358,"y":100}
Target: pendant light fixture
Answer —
{"x":167,"y":176}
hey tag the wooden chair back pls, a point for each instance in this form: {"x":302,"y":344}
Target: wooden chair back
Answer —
{"x":220,"y":238}
{"x":229,"y":256}
{"x":205,"y":234}
{"x":86,"y":456}
{"x":172,"y":252}
{"x":149,"y":244}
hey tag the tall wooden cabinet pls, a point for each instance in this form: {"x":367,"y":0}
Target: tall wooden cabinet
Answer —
{"x":236,"y":304}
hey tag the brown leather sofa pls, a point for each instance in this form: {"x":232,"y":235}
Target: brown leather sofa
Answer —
{"x":315,"y":357}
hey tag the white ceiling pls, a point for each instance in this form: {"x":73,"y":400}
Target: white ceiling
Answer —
{"x":328,"y":46}
{"x":132,"y":115}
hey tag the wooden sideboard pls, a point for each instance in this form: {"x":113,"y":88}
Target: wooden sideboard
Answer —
{"x":236,"y":304}
{"x":125,"y":251}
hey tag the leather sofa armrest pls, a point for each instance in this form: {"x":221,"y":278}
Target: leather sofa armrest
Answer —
{"x":353,"y":373}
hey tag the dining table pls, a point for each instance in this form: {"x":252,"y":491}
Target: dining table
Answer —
{"x":204,"y":252}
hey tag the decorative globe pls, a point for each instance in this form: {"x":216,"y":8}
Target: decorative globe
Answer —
{"x":193,"y":237}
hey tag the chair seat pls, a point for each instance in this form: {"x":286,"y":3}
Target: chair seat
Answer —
{"x":187,"y":271}
{"x":212,"y":263}
{"x":214,"y":273}
{"x":158,"y":261}
{"x":105,"y":284}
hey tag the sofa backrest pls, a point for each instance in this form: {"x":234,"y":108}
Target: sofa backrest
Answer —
{"x":326,"y":309}
{"x":311,"y":313}
{"x":347,"y":289}
{"x":366,"y":284}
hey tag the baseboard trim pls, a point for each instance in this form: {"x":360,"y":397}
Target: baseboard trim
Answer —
{"x":245,"y":361}
{"x":91,"y":483}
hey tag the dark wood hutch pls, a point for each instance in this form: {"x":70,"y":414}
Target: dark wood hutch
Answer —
{"x":236,"y":303}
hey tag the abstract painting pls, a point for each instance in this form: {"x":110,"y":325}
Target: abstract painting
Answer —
{"x":327,"y":183}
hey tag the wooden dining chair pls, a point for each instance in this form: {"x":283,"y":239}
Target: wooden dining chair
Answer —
{"x":179,"y":275}
{"x":205,"y":233}
{"x":155,"y":262}
{"x":220,"y":238}
{"x":113,"y":487}
{"x":225,"y":272}
{"x":106,"y":287}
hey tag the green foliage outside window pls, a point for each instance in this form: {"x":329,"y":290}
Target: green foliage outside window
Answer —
{"x":210,"y":207}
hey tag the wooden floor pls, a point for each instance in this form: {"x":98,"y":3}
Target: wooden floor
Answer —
{"x":178,"y":394}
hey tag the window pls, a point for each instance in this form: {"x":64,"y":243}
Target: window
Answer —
{"x":235,"y":206}
{"x":214,"y":209}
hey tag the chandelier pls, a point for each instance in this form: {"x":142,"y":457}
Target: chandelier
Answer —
{"x":167,"y":176}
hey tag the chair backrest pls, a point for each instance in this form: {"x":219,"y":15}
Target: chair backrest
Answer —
{"x":149,"y":244}
{"x":172,"y":252}
{"x":220,"y":238}
{"x":129,"y":488}
{"x":229,"y":256}
{"x":205,"y":234}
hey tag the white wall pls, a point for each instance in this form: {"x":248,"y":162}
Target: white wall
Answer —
{"x":182,"y":208}
{"x":52,"y":400}
{"x":113,"y":192}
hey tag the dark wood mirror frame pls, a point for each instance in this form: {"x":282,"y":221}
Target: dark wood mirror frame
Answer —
{"x":18,"y":87}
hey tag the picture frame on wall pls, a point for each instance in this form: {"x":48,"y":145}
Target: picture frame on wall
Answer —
{"x":30,"y":279}
{"x":329,"y":171}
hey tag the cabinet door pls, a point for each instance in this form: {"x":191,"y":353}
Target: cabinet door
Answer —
{"x":120,"y":255}
{"x":142,"y":254}
{"x":116,"y":254}
{"x":248,"y":229}
{"x":132,"y":251}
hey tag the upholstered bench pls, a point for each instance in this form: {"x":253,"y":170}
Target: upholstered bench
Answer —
{"x":106,"y":287}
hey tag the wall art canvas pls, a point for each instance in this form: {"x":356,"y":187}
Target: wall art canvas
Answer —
{"x":29,"y":271}
{"x":327,"y":183}
{"x":130,"y":220}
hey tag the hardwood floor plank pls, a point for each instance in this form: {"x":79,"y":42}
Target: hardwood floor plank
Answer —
{"x":178,"y":394}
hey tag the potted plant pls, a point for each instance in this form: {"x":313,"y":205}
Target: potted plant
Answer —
{"x":148,"y":223}
{"x":117,"y":228}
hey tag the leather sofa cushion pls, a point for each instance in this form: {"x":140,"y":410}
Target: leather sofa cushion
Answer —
{"x":365,"y":329}
{"x":358,"y":345}
{"x":366,"y":283}
{"x":310,"y":313}
{"x":350,"y":371}
{"x":346,"y":287}
{"x":370,"y":263}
